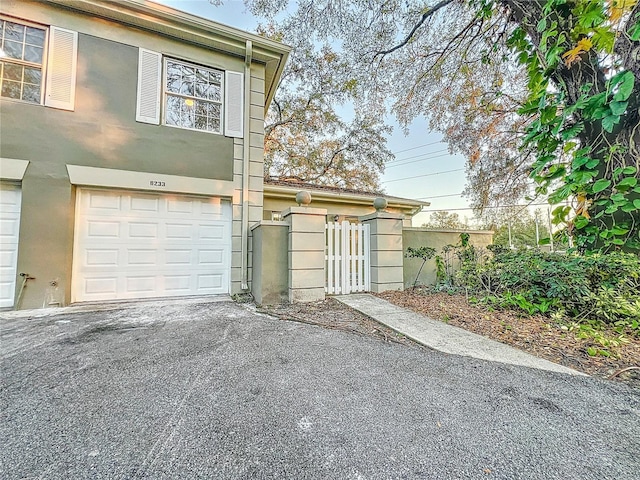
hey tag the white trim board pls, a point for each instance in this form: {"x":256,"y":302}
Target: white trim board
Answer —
{"x":156,"y":182}
{"x":13,"y":169}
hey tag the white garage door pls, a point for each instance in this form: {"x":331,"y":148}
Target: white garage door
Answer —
{"x":9,"y":229}
{"x":142,"y":245}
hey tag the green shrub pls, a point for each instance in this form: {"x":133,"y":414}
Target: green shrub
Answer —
{"x":598,"y":287}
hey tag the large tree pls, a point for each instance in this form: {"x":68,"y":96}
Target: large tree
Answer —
{"x":306,"y":138}
{"x":548,"y":89}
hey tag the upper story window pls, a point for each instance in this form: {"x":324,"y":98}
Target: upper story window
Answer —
{"x":186,"y":95}
{"x":193,"y":96}
{"x":21,"y":60}
{"x":38,"y":63}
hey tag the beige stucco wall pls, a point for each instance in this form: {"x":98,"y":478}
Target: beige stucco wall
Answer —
{"x":422,"y":237}
{"x":102,"y":132}
{"x":270,"y":267}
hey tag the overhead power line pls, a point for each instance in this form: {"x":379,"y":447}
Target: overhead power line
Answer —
{"x":425,"y":175}
{"x":419,"y":155}
{"x":440,"y":196}
{"x":424,"y":156}
{"x":415,"y":148}
{"x":498,"y":206}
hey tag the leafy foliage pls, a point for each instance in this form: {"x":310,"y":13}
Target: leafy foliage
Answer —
{"x":423,"y":253}
{"x":596,"y":288}
{"x":305,"y":138}
{"x":584,"y":96}
{"x":550,"y":87}
{"x":445,"y":220}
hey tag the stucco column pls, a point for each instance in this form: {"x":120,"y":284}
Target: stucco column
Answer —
{"x":386,"y":250}
{"x":306,"y":253}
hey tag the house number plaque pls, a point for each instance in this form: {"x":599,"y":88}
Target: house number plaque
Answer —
{"x":157,"y":183}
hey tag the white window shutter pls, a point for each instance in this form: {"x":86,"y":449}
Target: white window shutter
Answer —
{"x":149,"y":86}
{"x":234,"y":104}
{"x":60,"y":86}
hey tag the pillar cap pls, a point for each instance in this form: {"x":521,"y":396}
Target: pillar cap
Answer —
{"x":304,"y":211}
{"x":381,"y":215}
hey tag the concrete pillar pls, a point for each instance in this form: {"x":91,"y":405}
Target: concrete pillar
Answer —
{"x":306,"y":253}
{"x":386,"y":250}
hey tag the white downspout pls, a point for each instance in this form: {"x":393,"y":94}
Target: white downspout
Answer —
{"x":245,"y":166}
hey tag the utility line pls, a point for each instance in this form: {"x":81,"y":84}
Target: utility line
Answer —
{"x":499,"y":206}
{"x":440,"y":196}
{"x":419,"y":155}
{"x":419,"y":160}
{"x":426,"y":175}
{"x":415,"y":148}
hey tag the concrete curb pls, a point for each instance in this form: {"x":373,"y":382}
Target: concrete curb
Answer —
{"x":446,"y":338}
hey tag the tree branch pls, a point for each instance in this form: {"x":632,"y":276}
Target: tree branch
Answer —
{"x":425,"y":15}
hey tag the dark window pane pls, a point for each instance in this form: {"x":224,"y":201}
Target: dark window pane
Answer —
{"x":13,"y":72}
{"x":174,"y":77}
{"x":172,"y":113}
{"x":200,"y":122}
{"x":14,"y":31}
{"x":35,"y":36}
{"x":32,"y":75}
{"x":13,"y":49}
{"x":186,"y":88}
{"x":33,"y":54}
{"x":10,"y":89}
{"x":31,"y":93}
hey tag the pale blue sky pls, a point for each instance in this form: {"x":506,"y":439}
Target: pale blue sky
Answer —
{"x":418,"y":155}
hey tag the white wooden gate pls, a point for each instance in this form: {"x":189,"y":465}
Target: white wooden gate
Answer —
{"x":347,"y":258}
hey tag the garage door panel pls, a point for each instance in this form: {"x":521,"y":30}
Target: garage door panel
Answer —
{"x":210,"y":282}
{"x":211,"y":257}
{"x":178,"y":231}
{"x":142,"y":230}
{"x":155,"y":245}
{"x":101,"y":258}
{"x":102,"y":229}
{"x":106,"y":202}
{"x":142,"y":257}
{"x":100,"y":287}
{"x":179,"y":257}
{"x":10,"y":202}
{"x":144,"y":204}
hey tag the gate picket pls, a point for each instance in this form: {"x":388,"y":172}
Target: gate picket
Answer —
{"x":347,"y":258}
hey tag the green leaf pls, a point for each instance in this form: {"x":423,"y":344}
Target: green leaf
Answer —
{"x":609,"y":122}
{"x":629,"y":170}
{"x":618,"y":198}
{"x":625,"y":86}
{"x":580,"y":222}
{"x":592,"y":351}
{"x":618,"y":108}
{"x":592,"y":163}
{"x":628,"y":182}
{"x":634,"y":32}
{"x":542,"y":24}
{"x":601,"y":185}
{"x":636,"y":203}
{"x":628,"y":207}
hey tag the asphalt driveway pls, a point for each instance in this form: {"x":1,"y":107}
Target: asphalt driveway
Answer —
{"x":212,"y":390}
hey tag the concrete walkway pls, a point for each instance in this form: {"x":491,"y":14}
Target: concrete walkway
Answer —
{"x":445,"y":338}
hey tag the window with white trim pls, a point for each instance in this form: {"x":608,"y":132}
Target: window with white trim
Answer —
{"x":21,"y":61}
{"x":192,"y":96}
{"x":37,"y":63}
{"x":186,"y":95}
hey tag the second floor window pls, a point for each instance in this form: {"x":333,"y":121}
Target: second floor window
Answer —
{"x":193,"y":96}
{"x":21,"y":60}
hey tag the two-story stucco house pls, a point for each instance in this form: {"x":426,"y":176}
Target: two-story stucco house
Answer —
{"x":131,"y":151}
